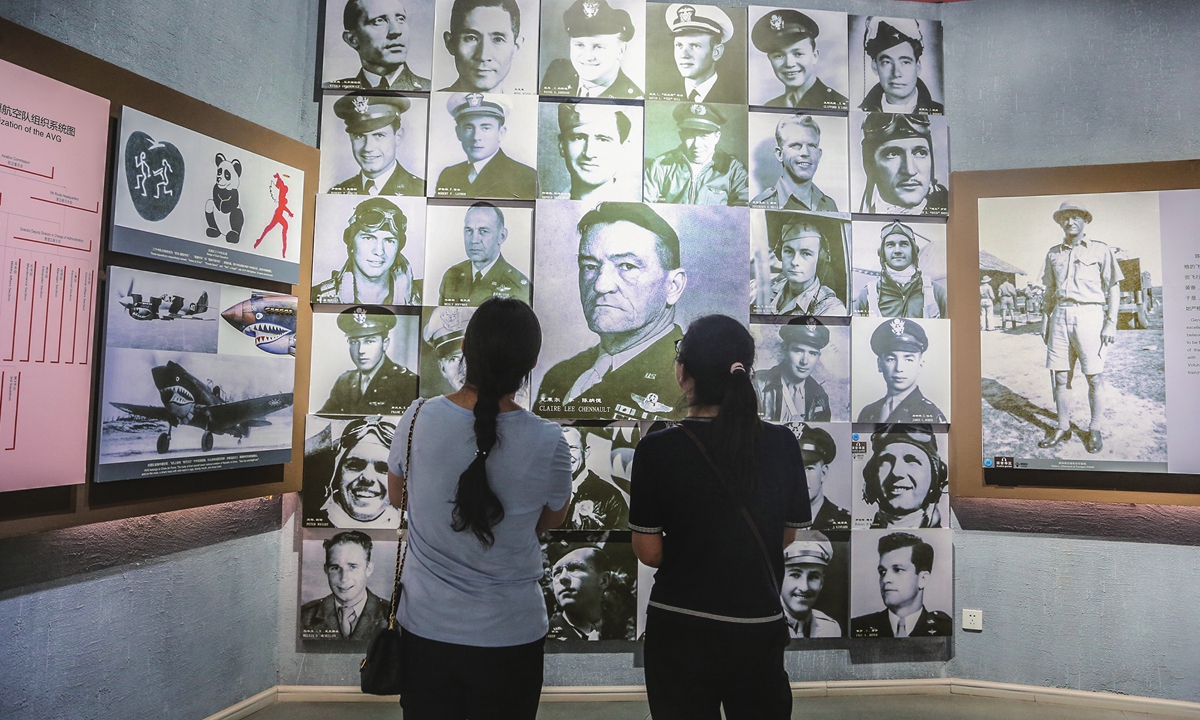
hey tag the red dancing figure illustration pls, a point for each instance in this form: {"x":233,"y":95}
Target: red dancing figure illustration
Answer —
{"x":279,"y":195}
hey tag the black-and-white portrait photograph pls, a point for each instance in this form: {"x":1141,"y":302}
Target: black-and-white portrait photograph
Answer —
{"x":617,"y":284}
{"x":799,"y":162}
{"x":900,"y":164}
{"x":593,"y":48}
{"x":361,"y":362}
{"x":900,"y":370}
{"x":902,"y":583}
{"x":797,"y":59}
{"x":589,"y":151}
{"x":826,"y":449}
{"x":815,"y":592}
{"x":369,"y":250}
{"x":486,"y":46}
{"x":902,"y":478}
{"x":478,"y":251}
{"x":377,"y":45}
{"x":346,"y":583}
{"x":443,"y":369}
{"x":590,"y":589}
{"x":345,"y":472}
{"x":373,"y":144}
{"x":1071,"y":329}
{"x":899,"y":269}
{"x":800,"y":262}
{"x":802,"y":370}
{"x":896,"y":65}
{"x":483,"y":146}
{"x":600,"y":463}
{"x":696,"y":53}
{"x":696,"y":154}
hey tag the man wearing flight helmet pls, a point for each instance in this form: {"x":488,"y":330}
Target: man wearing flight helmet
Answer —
{"x":358,"y":489}
{"x":376,"y":270}
{"x":894,"y":46}
{"x":901,"y":290}
{"x":905,"y":478}
{"x":803,"y":251}
{"x":897,"y":157}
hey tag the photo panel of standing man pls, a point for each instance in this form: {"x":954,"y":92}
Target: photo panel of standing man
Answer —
{"x":900,"y":371}
{"x":798,"y":59}
{"x":369,"y":250}
{"x":904,"y":273}
{"x":373,"y":144}
{"x":901,"y":583}
{"x":443,"y":370}
{"x":593,"y":48}
{"x":801,"y":263}
{"x":590,"y":152}
{"x":815,"y":591}
{"x":486,"y":46}
{"x":361,"y":360}
{"x":377,"y":45}
{"x":900,"y":164}
{"x":617,"y":284}
{"x":346,"y":584}
{"x":479,"y":251}
{"x":696,"y":154}
{"x":695,"y":53}
{"x":826,"y":449}
{"x":483,"y":146}
{"x":345,"y":472}
{"x":896,"y":65}
{"x":802,"y":370}
{"x":902,"y":478}
{"x":799,"y":162}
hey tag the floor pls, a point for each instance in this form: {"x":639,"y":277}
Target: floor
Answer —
{"x":889,"y":707}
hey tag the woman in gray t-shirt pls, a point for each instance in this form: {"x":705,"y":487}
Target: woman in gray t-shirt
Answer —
{"x":487,"y":476}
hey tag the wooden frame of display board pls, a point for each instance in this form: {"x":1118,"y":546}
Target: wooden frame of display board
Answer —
{"x":29,"y":511}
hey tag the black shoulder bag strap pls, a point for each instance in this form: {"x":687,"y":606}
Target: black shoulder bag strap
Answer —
{"x":737,"y":503}
{"x":403,"y":552}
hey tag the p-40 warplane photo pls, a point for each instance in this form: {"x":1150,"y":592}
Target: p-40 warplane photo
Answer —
{"x":268,"y":318}
{"x":162,"y":307}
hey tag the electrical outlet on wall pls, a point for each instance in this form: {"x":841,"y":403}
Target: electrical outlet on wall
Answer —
{"x":972,"y":620}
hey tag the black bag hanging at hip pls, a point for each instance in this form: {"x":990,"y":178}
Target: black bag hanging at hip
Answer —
{"x":379,"y":672}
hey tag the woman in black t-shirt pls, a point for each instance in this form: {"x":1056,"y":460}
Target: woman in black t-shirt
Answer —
{"x":715,"y":633}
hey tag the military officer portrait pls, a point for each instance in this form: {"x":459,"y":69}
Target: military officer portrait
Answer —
{"x":696,"y":154}
{"x":590,"y":590}
{"x":902,"y":584}
{"x":369,"y":250}
{"x":904,"y":274}
{"x":481,"y":145}
{"x":377,"y":45}
{"x":486,"y":46}
{"x":616,"y":285}
{"x":443,"y":369}
{"x":374,"y":145}
{"x":896,"y":65}
{"x":343,"y":483}
{"x":695,"y":53}
{"x":815,"y":584}
{"x":798,"y":59}
{"x":479,"y":251}
{"x":800,"y":263}
{"x":593,"y":48}
{"x":596,"y":503}
{"x":345,"y":579}
{"x":900,"y":371}
{"x":902,"y":479}
{"x":589,"y":152}
{"x":897,"y":164}
{"x":799,"y":162}
{"x":828,"y":471}
{"x":380,"y":346}
{"x":802,"y":371}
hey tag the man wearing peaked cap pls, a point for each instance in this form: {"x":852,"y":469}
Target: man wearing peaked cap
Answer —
{"x":697,"y":172}
{"x":376,"y":385}
{"x":818,"y":450}
{"x":375,"y":127}
{"x":789,"y":38}
{"x":599,"y":37}
{"x":444,"y":333}
{"x":899,"y":346}
{"x":894,"y":47}
{"x":699,"y":34}
{"x":788,"y":392}
{"x":593,"y":142}
{"x":901,"y":290}
{"x":480,"y":122}
{"x":898,"y":160}
{"x":805,"y":563}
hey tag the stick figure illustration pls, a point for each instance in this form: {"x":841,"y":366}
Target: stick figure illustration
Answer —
{"x":143,"y":173}
{"x":279,"y":194}
{"x":163,"y":182}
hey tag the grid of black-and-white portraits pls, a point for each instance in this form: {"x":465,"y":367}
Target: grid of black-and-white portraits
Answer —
{"x":627,"y":167}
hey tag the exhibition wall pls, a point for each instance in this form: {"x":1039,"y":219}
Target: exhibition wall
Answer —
{"x":1060,"y":611}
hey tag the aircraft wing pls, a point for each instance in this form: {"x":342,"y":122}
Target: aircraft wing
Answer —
{"x":147,"y":411}
{"x":227,"y":415}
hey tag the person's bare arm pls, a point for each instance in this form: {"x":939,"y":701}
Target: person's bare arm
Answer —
{"x":550,"y":519}
{"x":648,"y":547}
{"x":1108,"y":335}
{"x":789,"y":536}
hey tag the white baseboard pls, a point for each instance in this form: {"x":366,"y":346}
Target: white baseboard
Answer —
{"x":832,"y":688}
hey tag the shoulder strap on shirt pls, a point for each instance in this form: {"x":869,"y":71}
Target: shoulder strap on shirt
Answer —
{"x":737,"y":503}
{"x":402,"y":552}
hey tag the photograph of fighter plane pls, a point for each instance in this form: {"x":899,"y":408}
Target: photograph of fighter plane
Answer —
{"x":268,"y":318}
{"x":162,"y":307}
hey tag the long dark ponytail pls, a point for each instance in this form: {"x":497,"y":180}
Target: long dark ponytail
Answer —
{"x":718,"y":354}
{"x":500,"y":348}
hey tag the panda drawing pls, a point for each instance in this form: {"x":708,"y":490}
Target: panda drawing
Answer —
{"x":225,"y":217}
